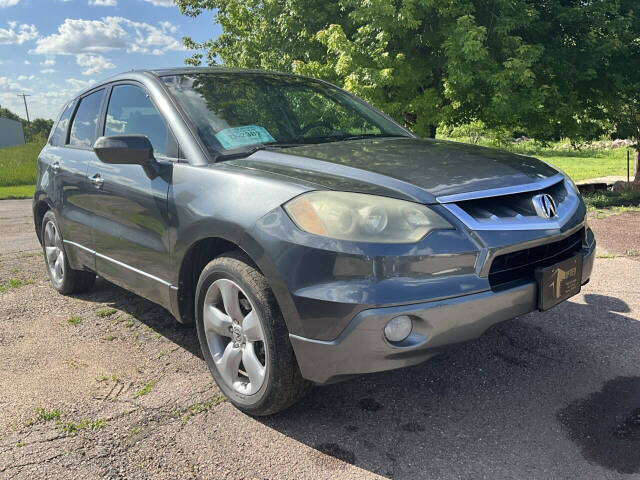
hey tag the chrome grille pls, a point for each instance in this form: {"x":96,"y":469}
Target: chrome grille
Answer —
{"x":519,"y":205}
{"x":516,"y":211}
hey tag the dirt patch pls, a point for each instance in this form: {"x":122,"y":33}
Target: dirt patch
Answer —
{"x":618,"y":234}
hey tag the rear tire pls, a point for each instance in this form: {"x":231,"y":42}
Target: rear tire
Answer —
{"x":244,"y":339}
{"x":63,"y":278}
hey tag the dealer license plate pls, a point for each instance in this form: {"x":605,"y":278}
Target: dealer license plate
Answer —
{"x":559,"y":282}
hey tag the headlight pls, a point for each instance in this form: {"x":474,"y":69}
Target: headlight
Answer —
{"x":363,"y":218}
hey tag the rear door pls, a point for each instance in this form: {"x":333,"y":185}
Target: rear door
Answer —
{"x":73,"y":189}
{"x":129,"y":206}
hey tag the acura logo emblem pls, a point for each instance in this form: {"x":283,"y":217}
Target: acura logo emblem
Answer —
{"x":544,"y":205}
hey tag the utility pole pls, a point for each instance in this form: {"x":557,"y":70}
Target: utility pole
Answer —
{"x":24,"y":98}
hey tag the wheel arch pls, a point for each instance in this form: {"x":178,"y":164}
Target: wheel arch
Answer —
{"x":203,"y":250}
{"x":40,"y":208}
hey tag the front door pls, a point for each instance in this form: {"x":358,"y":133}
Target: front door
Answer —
{"x":131,"y":221}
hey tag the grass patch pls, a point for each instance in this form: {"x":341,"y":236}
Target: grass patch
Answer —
{"x":14,"y":283}
{"x":605,"y":199}
{"x":18,"y":172}
{"x":75,"y":320}
{"x":134,"y":431}
{"x":145,"y":389}
{"x":199,"y":407}
{"x":18,"y":164}
{"x":44,"y":415}
{"x":106,"y":312}
{"x":589,"y":164}
{"x":21,"y":443}
{"x":84,"y":424}
{"x":20,"y":191}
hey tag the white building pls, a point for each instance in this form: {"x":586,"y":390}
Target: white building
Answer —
{"x":11,"y":133}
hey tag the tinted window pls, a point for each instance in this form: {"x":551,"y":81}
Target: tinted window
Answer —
{"x":85,"y":122}
{"x":59,"y":136}
{"x":131,"y":112}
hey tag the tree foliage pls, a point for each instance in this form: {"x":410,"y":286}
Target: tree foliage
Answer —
{"x":550,"y":68}
{"x":36,"y":131}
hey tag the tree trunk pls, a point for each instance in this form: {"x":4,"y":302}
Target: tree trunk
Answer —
{"x":636,"y":155}
{"x":432,"y":131}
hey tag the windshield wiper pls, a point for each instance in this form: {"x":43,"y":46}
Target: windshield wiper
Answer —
{"x":368,"y":135}
{"x":250,"y":151}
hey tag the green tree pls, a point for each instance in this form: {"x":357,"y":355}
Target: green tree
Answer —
{"x":542,"y":67}
{"x":36,"y":131}
{"x":621,"y":96}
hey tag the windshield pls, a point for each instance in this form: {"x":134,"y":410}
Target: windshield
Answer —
{"x":236,"y":112}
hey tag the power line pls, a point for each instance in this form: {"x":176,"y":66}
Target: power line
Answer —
{"x":24,"y":98}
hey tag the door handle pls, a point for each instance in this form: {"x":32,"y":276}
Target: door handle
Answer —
{"x":55,"y":167}
{"x":97,"y":180}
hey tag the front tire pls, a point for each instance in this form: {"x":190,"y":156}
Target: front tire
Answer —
{"x":63,"y":278}
{"x":244,"y":339}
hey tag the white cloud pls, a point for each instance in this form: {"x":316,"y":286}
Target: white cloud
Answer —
{"x":109,"y":33}
{"x":42,"y":104}
{"x":79,"y":84}
{"x":27,"y":62}
{"x":160,"y":3}
{"x":8,"y":3}
{"x":49,"y":62}
{"x":7,"y":85}
{"x":168,"y":27}
{"x":94,"y":63}
{"x":17,"y":34}
{"x":47,"y":70}
{"x":103,"y":3}
{"x":22,"y":78}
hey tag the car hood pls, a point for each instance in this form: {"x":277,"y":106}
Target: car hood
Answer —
{"x":419,"y":169}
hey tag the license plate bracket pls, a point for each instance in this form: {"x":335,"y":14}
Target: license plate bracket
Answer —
{"x":558,"y":282}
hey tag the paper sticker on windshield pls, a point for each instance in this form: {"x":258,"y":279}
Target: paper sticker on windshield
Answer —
{"x":236,"y":137}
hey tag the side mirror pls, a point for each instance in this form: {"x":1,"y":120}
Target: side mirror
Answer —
{"x":124,"y":149}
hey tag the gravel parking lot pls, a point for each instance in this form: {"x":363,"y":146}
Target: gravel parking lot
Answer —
{"x":107,"y":384}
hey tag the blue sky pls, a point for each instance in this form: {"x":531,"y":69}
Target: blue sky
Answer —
{"x":50,"y":49}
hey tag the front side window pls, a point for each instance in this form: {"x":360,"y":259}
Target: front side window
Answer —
{"x":85,"y":122}
{"x":131,"y":112}
{"x":59,"y":136}
{"x":234,"y":111}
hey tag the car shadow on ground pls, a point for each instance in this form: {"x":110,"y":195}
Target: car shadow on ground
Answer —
{"x":152,"y":315}
{"x":499,"y":399}
{"x":509,"y":399}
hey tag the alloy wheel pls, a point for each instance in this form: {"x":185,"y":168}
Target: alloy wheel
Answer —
{"x":235,"y":337}
{"x":53,"y":252}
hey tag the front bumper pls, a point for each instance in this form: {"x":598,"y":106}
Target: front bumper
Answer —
{"x":362,"y":348}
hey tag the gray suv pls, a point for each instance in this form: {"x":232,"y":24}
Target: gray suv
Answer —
{"x":308,"y":236}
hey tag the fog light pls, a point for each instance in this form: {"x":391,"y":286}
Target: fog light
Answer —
{"x":398,"y":328}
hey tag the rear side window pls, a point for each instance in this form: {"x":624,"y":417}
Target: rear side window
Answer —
{"x":59,"y":136}
{"x":131,"y":112}
{"x":85,"y":122}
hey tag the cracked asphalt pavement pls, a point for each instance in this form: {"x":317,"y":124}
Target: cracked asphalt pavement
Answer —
{"x":108,"y":385}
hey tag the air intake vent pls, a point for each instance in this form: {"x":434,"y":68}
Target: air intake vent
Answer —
{"x":520,"y":265}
